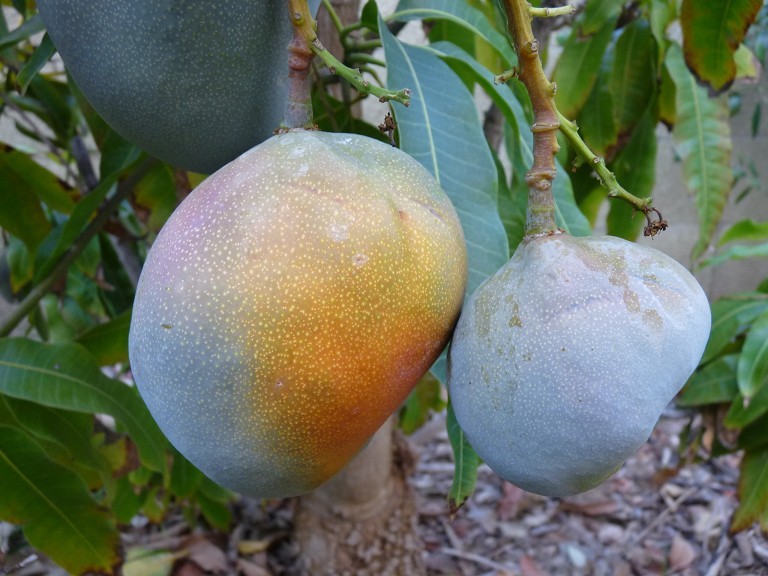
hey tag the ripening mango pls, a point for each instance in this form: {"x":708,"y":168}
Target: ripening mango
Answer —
{"x":563,"y":361}
{"x":290,"y":304}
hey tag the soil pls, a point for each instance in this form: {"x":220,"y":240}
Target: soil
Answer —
{"x":653,"y":517}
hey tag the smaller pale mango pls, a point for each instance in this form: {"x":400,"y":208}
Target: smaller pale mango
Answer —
{"x":291,"y":303}
{"x":563,"y":361}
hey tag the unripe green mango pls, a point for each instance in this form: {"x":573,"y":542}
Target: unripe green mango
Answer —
{"x":290,"y":304}
{"x":563,"y":361}
{"x":195,"y":83}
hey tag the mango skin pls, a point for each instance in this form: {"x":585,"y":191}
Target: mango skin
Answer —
{"x":563,"y":361}
{"x":194,"y":83}
{"x":290,"y":304}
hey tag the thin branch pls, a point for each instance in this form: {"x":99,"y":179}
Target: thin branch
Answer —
{"x":302,"y":21}
{"x":26,"y":306}
{"x":551,"y":12}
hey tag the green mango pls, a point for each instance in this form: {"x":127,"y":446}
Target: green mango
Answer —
{"x":194,"y":83}
{"x":563,"y":361}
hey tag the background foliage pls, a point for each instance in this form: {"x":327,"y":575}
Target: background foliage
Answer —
{"x":80,"y":455}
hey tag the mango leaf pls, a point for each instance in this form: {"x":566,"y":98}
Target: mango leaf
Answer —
{"x":737,"y":253}
{"x":729,"y":317}
{"x":37,"y":181}
{"x":55,"y":508}
{"x":472,"y":20}
{"x":39,"y":58}
{"x":72,"y":432}
{"x":747,"y":65}
{"x":117,"y":292}
{"x":20,"y":211}
{"x":424,"y":399}
{"x":635,"y":169}
{"x":466,"y":463}
{"x":596,"y":119}
{"x":745,"y":231}
{"x":441,"y":130}
{"x":598,"y":12}
{"x":185,"y":477}
{"x":713,"y":384}
{"x":633,"y":75}
{"x":745,"y":411}
{"x":754,"y":436}
{"x":753,"y":491}
{"x":23,"y":32}
{"x":704,"y":142}
{"x":752,"y":370}
{"x":567,"y":214}
{"x":66,"y":376}
{"x":108,"y":342}
{"x":156,"y":192}
{"x":578,"y":66}
{"x":712,"y":32}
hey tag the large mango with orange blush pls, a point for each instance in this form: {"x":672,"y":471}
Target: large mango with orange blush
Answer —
{"x":290,"y":304}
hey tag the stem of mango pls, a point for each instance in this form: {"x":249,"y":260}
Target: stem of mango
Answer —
{"x":298,"y":107}
{"x":540,"y":218}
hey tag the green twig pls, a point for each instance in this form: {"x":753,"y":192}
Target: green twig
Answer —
{"x":505,"y":77}
{"x":334,"y":16}
{"x":365,"y":58}
{"x":303,"y":22}
{"x":551,"y":12}
{"x":607,"y":178}
{"x":110,"y":206}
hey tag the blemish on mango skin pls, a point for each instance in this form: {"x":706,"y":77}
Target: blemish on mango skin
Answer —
{"x":293,"y":311}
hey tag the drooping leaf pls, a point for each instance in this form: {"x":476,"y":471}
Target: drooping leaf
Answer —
{"x":37,"y":181}
{"x":39,"y":58}
{"x":635,"y":169}
{"x":714,"y":384}
{"x":20,"y":211}
{"x":441,"y":129}
{"x":703,"y":140}
{"x":578,"y":66}
{"x":633,"y":74}
{"x":472,"y":20}
{"x":67,"y":376}
{"x":752,"y":370}
{"x":185,"y":477}
{"x":53,"y":505}
{"x":712,"y":32}
{"x":729,"y":317}
{"x":466,"y":463}
{"x":117,"y":292}
{"x":598,"y":12}
{"x":753,"y":491}
{"x":753,"y":436}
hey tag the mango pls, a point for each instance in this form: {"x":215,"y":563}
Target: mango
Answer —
{"x":291,"y":303}
{"x":194,"y":83}
{"x":563,"y":361}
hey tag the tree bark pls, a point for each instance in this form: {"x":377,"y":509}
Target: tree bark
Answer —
{"x":363,"y":521}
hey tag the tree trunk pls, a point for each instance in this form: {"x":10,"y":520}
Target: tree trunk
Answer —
{"x":363,"y":521}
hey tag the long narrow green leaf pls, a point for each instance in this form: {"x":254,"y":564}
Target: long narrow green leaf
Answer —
{"x":39,"y":58}
{"x":67,"y":376}
{"x":23,"y":32}
{"x":714,"y":384}
{"x":753,"y":491}
{"x":633,"y":75}
{"x":472,"y":20}
{"x":441,"y":129}
{"x":745,"y":231}
{"x":712,"y":32}
{"x":752,"y":371}
{"x":578,"y":66}
{"x":635,"y":169}
{"x":704,"y":142}
{"x":54,"y":506}
{"x":466,"y":462}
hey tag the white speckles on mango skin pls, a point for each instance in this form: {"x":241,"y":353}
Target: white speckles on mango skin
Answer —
{"x":309,"y":284}
{"x":563,"y":361}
